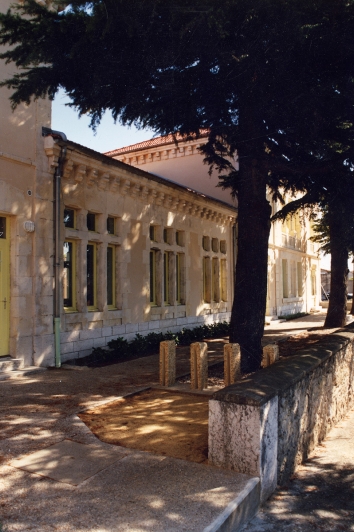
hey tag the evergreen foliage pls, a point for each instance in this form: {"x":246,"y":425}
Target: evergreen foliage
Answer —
{"x":271,"y":80}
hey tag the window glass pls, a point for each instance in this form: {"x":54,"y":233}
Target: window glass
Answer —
{"x":215,"y":280}
{"x":91,"y":221}
{"x":215,"y":245}
{"x":111,"y":225}
{"x":91,"y":275}
{"x":166,"y":285}
{"x":285,"y":278}
{"x":110,"y":276}
{"x":223,"y":274}
{"x":206,"y":280}
{"x":69,"y":218}
{"x":153,"y":233}
{"x":180,"y":238}
{"x":206,"y":243}
{"x":153,"y":276}
{"x":68,"y":274}
{"x":2,"y":227}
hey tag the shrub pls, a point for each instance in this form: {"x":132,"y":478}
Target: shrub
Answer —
{"x":288,"y":317}
{"x":120,"y":348}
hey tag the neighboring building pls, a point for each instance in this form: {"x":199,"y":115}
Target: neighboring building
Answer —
{"x":177,"y":160}
{"x":326,"y":283}
{"x":294,"y":271}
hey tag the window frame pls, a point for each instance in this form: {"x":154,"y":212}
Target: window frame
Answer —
{"x":92,"y":307}
{"x":74,"y":218}
{"x":73,"y":306}
{"x":113,"y":305}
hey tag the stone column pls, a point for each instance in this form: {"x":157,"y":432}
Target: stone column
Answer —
{"x":243,"y":436}
{"x":270,"y":355}
{"x":199,"y":365}
{"x":167,"y":363}
{"x":232,"y":363}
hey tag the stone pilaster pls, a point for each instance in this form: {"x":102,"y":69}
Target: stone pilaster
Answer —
{"x":232,"y":363}
{"x":167,"y":363}
{"x":199,"y":365}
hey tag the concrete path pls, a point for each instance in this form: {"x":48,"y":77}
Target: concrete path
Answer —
{"x":321,"y":495}
{"x":55,"y":474}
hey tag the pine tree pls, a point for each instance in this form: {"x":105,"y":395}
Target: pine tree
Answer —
{"x":260,"y":76}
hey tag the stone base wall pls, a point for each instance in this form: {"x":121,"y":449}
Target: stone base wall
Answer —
{"x":79,"y":343}
{"x":313,"y":390}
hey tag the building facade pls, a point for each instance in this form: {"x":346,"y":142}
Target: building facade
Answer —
{"x":293,"y":263}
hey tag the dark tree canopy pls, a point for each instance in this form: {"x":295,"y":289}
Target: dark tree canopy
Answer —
{"x":270,"y":79}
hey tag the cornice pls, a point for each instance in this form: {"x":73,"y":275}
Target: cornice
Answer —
{"x":155,"y":154}
{"x":82,"y":170}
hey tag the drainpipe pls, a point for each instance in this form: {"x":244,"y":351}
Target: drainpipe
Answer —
{"x":57,"y":207}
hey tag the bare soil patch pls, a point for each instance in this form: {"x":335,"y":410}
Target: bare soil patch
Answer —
{"x":172,"y":423}
{"x":161,"y":422}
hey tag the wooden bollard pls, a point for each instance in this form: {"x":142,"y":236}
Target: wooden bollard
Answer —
{"x":232,"y":363}
{"x":270,"y":355}
{"x":167,"y":363}
{"x":199,"y":365}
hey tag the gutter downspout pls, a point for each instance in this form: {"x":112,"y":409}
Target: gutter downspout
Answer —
{"x":57,"y":208}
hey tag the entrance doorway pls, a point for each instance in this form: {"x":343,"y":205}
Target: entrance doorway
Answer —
{"x":4,"y":285}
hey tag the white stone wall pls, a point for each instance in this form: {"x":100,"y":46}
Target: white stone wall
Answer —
{"x":268,"y":424}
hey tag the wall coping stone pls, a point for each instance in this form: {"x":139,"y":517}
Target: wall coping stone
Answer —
{"x":275,"y":379}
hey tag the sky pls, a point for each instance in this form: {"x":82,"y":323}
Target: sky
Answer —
{"x":108,"y":136}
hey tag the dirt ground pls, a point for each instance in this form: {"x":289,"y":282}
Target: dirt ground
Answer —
{"x":170,"y":423}
{"x":161,"y":422}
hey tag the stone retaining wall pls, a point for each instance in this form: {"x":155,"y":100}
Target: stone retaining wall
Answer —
{"x":269,"y":423}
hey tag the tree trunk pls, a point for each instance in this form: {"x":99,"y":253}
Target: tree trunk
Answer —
{"x":249,"y":306}
{"x":337,"y":308}
{"x":352,"y":309}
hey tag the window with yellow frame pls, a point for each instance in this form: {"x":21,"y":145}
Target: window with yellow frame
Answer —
{"x":91,"y":276}
{"x":69,"y":275}
{"x":153,"y":254}
{"x":111,"y":278}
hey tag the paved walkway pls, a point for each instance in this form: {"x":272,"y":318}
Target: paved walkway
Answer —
{"x":321,"y":496}
{"x":132,"y":491}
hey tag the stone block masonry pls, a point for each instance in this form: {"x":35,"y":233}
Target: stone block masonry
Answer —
{"x":268,"y":424}
{"x":232,"y":363}
{"x":167,"y":363}
{"x":199,"y":365}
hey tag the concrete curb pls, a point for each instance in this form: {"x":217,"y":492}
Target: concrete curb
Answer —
{"x":239,"y":511}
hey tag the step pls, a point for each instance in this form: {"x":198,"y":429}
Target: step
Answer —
{"x":24,"y":372}
{"x":10,"y":364}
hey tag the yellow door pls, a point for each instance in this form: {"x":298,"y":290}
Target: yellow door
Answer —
{"x":4,"y":285}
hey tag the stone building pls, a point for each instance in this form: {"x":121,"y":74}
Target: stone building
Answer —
{"x":293,"y":265}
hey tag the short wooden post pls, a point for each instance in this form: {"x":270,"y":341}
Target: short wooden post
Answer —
{"x":167,"y":363}
{"x":199,"y":365}
{"x":270,"y":354}
{"x":232,"y":363}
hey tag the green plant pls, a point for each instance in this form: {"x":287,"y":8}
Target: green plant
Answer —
{"x":288,"y":317}
{"x":119,"y":348}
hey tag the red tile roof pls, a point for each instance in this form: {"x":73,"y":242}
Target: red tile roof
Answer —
{"x":153,"y":143}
